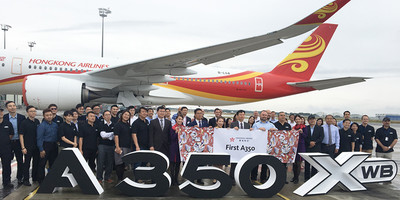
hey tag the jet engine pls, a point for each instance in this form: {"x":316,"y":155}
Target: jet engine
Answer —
{"x":42,"y":90}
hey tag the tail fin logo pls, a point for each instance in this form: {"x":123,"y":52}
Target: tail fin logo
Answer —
{"x":313,"y":46}
{"x":330,"y":8}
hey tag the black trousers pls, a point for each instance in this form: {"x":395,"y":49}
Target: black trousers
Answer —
{"x":174,"y":170}
{"x":6,"y":157}
{"x":51,"y":149}
{"x":307,"y":171}
{"x":232,"y":172}
{"x":31,"y":153}
{"x":119,"y":169}
{"x":263,"y":175}
{"x":328,"y":149}
{"x":90,"y":156}
{"x":16,"y":150}
{"x":296,"y":169}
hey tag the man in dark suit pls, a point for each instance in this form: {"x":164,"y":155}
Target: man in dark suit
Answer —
{"x":200,"y":122}
{"x":315,"y":135}
{"x":159,"y":132}
{"x":198,"y":119}
{"x":16,"y":120}
{"x":239,"y":124}
{"x":213,"y":121}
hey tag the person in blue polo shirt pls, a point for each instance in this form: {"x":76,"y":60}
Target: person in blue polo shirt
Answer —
{"x":6,"y":133}
{"x":346,"y":115}
{"x":47,"y":138}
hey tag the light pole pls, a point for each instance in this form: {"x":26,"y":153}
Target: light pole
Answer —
{"x":31,"y":44}
{"x":103,"y":12}
{"x":5,"y":28}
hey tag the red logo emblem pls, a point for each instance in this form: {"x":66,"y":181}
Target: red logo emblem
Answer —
{"x":2,"y":58}
{"x":232,"y":139}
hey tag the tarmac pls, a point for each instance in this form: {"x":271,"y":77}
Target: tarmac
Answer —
{"x":374,"y":190}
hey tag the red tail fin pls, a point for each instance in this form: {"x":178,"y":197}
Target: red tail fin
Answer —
{"x":303,"y":61}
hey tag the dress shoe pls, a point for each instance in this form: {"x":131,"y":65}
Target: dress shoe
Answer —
{"x":26,"y":183}
{"x":109,"y":181}
{"x":296,"y":181}
{"x":8,"y":186}
{"x":20,"y":182}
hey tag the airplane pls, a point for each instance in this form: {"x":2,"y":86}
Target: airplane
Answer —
{"x":168,"y":80}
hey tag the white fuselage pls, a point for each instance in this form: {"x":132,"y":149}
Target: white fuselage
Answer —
{"x":14,"y":66}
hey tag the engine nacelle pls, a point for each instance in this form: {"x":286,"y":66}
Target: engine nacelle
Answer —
{"x":42,"y":90}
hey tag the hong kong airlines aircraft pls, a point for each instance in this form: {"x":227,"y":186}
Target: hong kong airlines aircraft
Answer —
{"x":169,"y":80}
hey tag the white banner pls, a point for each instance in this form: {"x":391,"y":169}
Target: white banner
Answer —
{"x":239,"y":143}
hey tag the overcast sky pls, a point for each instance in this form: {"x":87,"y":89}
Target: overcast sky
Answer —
{"x":366,"y":42}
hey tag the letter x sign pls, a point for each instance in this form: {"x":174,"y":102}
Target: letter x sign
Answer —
{"x":331,"y":172}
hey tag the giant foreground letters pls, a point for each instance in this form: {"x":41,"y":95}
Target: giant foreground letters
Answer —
{"x":350,"y":170}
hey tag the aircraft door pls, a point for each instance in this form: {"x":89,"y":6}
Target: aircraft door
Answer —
{"x":258,"y":84}
{"x":16,"y":66}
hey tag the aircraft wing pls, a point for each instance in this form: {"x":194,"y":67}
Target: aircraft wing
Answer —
{"x":328,"y":83}
{"x":157,"y":70}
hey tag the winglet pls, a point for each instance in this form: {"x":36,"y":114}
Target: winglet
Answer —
{"x":323,"y":14}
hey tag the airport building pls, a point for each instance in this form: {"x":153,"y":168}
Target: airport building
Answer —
{"x":393,"y":117}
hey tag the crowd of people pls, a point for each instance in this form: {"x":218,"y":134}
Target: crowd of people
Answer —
{"x":105,"y":137}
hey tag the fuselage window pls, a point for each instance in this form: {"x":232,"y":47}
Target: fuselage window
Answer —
{"x":34,"y":67}
{"x":2,"y":64}
{"x":245,"y":83}
{"x":45,"y":67}
{"x":249,"y":83}
{"x":40,"y":67}
{"x":241,"y":83}
{"x":55,"y":68}
{"x":29,"y":67}
{"x":50,"y":68}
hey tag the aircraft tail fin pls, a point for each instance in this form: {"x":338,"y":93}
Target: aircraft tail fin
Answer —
{"x":302,"y":63}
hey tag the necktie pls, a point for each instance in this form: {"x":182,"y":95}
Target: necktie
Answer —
{"x":241,"y":125}
{"x":162,"y":124}
{"x":330,"y":134}
{"x":200,"y":125}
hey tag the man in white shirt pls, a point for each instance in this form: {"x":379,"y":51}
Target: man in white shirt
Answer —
{"x":132,"y":111}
